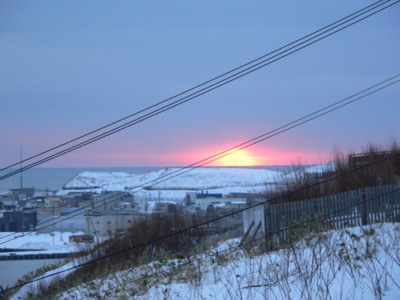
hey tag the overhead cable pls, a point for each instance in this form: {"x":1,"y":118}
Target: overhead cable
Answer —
{"x":291,"y":125}
{"x":246,"y":69}
{"x":180,"y":231}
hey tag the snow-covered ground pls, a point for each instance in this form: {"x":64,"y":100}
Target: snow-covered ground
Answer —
{"x":354,"y":263}
{"x":345,"y":264}
{"x":56,"y":242}
{"x":215,"y":180}
{"x":25,"y":243}
{"x":167,"y":181}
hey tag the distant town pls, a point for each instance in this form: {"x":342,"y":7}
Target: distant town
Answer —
{"x":84,"y":206}
{"x":105,"y":213}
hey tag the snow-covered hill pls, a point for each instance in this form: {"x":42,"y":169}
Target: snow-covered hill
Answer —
{"x":352,"y":263}
{"x":174,"y":182}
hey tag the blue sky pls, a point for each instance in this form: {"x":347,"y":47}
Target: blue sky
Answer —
{"x":68,"y":67}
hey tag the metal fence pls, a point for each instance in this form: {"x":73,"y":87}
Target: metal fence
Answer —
{"x":354,"y":208}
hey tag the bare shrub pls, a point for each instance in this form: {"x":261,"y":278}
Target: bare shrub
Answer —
{"x":374,"y":167}
{"x":143,"y":243}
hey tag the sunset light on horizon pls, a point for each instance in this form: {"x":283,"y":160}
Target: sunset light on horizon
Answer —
{"x":258,"y":156}
{"x":228,"y":156}
{"x":240,"y":158}
{"x":224,"y":155}
{"x":64,"y":77}
{"x":120,"y":118}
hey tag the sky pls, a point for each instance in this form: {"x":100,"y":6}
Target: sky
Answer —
{"x":69,"y":67}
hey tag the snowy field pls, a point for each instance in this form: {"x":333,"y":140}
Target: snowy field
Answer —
{"x":56,"y":242}
{"x":355,"y":263}
{"x":49,"y":243}
{"x":219,"y":180}
{"x":358,"y":263}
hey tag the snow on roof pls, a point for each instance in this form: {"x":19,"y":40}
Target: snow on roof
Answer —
{"x":238,"y":202}
{"x":53,"y":199}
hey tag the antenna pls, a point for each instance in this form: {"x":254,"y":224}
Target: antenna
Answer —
{"x":20,"y":152}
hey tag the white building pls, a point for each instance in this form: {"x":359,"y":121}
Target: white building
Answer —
{"x":109,"y":222}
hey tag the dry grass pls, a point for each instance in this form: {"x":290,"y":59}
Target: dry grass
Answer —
{"x":377,"y":167}
{"x":133,"y":249}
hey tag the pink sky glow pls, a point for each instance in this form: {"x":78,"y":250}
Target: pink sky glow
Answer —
{"x":251,"y":156}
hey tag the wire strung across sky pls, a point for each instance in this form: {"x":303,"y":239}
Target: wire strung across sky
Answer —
{"x":305,"y":119}
{"x":180,"y":231}
{"x":245,"y":69}
{"x":254,"y":141}
{"x":265,"y":236}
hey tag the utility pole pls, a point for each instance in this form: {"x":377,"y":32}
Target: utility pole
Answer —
{"x":20,"y":166}
{"x":53,"y":222}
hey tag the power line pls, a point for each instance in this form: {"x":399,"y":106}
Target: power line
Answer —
{"x":188,"y":90}
{"x":180,"y":231}
{"x":260,"y":63}
{"x":291,"y":125}
{"x":241,"y":210}
{"x":266,"y":235}
{"x":258,"y":68}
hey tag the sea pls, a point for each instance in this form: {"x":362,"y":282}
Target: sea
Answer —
{"x":55,"y":178}
{"x":13,"y":270}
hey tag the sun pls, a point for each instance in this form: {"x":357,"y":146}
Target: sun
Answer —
{"x":239,"y":158}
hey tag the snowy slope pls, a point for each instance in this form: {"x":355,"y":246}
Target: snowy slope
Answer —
{"x":56,"y":242}
{"x":354,"y":263}
{"x":232,"y":179}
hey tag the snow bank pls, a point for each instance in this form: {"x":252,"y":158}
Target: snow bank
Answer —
{"x":55,"y":242}
{"x":219,"y":179}
{"x":354,"y":263}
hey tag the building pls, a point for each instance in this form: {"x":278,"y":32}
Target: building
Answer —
{"x":51,"y":202}
{"x":7,"y":203}
{"x":74,"y":199}
{"x":110,"y":222}
{"x":167,"y":208}
{"x":204,"y":201}
{"x":51,"y":206}
{"x":365,"y":159}
{"x":22,"y":193}
{"x":83,"y":238}
{"x":13,"y":221}
{"x":69,"y":201}
{"x":88,"y":204}
{"x":110,"y":200}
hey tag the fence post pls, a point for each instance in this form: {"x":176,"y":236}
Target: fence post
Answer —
{"x":364,"y":211}
{"x":267,"y":224}
{"x":246,"y":233}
